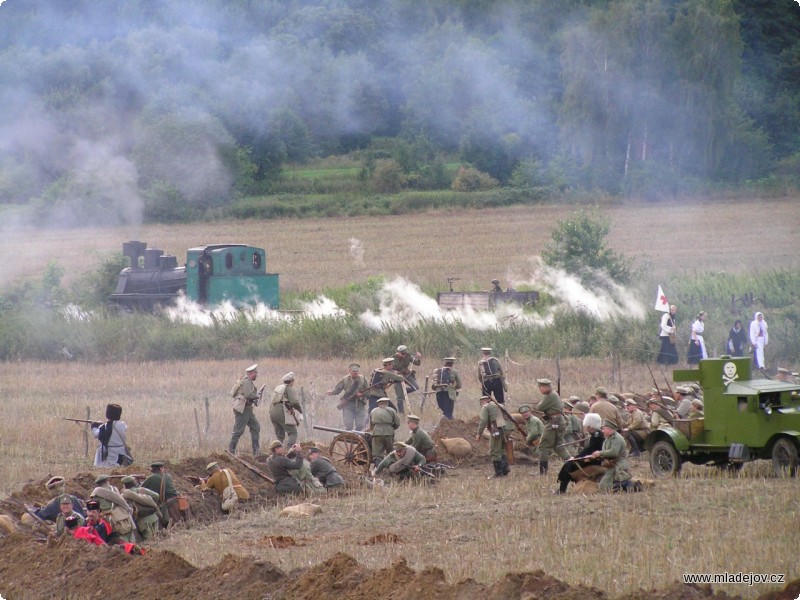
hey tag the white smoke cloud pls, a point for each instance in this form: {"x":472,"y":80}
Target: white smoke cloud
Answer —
{"x":188,"y":311}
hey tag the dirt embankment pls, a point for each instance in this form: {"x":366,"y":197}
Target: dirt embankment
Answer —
{"x":458,"y":428}
{"x":73,"y":568}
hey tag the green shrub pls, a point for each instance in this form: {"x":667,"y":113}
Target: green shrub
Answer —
{"x":469,"y":179}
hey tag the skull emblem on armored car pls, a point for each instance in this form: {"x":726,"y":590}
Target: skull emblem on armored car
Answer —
{"x":729,"y":373}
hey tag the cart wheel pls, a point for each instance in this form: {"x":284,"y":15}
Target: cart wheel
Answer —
{"x":350,"y":449}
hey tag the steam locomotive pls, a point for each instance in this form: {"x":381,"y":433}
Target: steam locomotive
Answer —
{"x":212,"y":274}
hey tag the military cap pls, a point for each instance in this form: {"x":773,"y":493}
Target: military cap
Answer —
{"x":65,"y":499}
{"x":486,"y":349}
{"x":127,"y":479}
{"x":525,"y":408}
{"x":54,"y":482}
{"x":354,"y":367}
{"x":631,"y":402}
{"x":211,"y":466}
{"x":157,"y":465}
{"x":414,"y":418}
{"x":314,"y":450}
{"x":449,"y":359}
{"x":613,"y":399}
{"x":655,"y":401}
{"x":384,"y":399}
{"x":544,"y":381}
{"x":92,"y":505}
{"x":101,"y":479}
{"x":251,"y":368}
{"x":568,"y":404}
{"x":288,"y":377}
{"x":602,"y":391}
{"x":275,"y":444}
{"x":574,"y":398}
{"x":402,"y":348}
{"x":388,"y":359}
{"x":583,"y":406}
{"x":698,"y":402}
{"x":611,"y":424}
{"x":71,"y":522}
{"x":682,"y":389}
{"x":399,"y":446}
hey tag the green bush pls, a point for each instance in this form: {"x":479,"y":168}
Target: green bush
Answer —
{"x":388,"y":177}
{"x":469,"y":179}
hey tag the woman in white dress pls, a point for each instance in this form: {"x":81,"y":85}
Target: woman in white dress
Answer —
{"x":759,"y":338}
{"x":113,"y":449}
{"x":697,"y":345}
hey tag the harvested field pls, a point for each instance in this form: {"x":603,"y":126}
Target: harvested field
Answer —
{"x":322,"y":258}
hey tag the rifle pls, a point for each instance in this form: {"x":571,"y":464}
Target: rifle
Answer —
{"x":255,"y":470}
{"x":137,"y":475}
{"x":508,"y":416}
{"x":29,"y":510}
{"x":260,"y":393}
{"x":572,"y":443}
{"x":558,"y":376}
{"x":195,"y":480}
{"x":79,"y":420}
{"x":669,"y":387}
{"x":424,"y":395}
{"x":655,"y":383}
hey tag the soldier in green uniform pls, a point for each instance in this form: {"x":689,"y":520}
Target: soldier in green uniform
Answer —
{"x":534,"y":427}
{"x":384,"y":420}
{"x":353,"y":404}
{"x":404,"y":462}
{"x":491,"y":376}
{"x":281,"y":466}
{"x":66,"y":510}
{"x":285,"y":411}
{"x":322,"y":468}
{"x":115,"y":509}
{"x":492,"y":418}
{"x":574,"y":429}
{"x":420,"y":440}
{"x":161,"y":483}
{"x":401,"y":364}
{"x":379,"y":382}
{"x":554,"y":425}
{"x":446,"y":383}
{"x":615,"y":457}
{"x":245,"y":398}
{"x":145,"y":506}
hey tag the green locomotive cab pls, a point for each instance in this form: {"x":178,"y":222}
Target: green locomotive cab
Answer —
{"x":230,"y":273}
{"x":744,"y":419}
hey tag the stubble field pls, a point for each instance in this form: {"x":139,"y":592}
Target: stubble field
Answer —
{"x":702,"y":521}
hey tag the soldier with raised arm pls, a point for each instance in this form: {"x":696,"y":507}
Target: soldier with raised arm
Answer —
{"x":401,"y":364}
{"x":380,"y":380}
{"x":353,"y":403}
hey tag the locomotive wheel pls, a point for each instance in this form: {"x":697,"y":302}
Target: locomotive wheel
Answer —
{"x":664,"y":460}
{"x":784,"y":458}
{"x":350,"y":449}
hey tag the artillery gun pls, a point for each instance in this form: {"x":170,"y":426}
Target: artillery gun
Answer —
{"x":745,"y":419}
{"x":353,"y":448}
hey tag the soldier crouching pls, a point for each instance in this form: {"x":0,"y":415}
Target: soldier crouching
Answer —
{"x":403,"y":462}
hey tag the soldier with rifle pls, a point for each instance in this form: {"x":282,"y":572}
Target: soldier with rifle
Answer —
{"x":379,"y":382}
{"x":401,"y":364}
{"x":353,"y":403}
{"x":554,"y":425}
{"x":615,"y":457}
{"x":286,"y":413}
{"x":113,"y":450}
{"x":492,"y":418}
{"x":446,"y":383}
{"x":245,"y":398}
{"x":582,"y":465}
{"x":281,"y":465}
{"x":491,"y":376}
{"x":384,"y":420}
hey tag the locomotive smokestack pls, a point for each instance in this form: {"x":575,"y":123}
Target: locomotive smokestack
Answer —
{"x":133,"y":250}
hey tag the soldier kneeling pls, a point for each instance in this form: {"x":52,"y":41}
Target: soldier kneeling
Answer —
{"x":403,"y":462}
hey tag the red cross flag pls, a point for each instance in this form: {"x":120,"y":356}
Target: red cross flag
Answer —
{"x":661,"y":301}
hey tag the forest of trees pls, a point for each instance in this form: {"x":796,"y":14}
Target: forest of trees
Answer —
{"x":111,"y":110}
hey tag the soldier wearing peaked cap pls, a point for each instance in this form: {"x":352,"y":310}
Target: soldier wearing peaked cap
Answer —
{"x":145,"y":506}
{"x":66,"y":511}
{"x":56,"y":488}
{"x":420,"y":439}
{"x":615,"y":457}
{"x":492,"y":418}
{"x":574,"y":429}
{"x":684,"y":397}
{"x":354,"y":402}
{"x":322,"y":468}
{"x":660,"y":417}
{"x":161,"y":483}
{"x":446,"y":383}
{"x":534,"y":427}
{"x":282,"y":465}
{"x":403,"y":462}
{"x":245,"y":398}
{"x":285,"y":410}
{"x":491,"y":376}
{"x":219,"y":479}
{"x":637,"y":429}
{"x":384,"y":420}
{"x":554,"y":425}
{"x":402,"y":362}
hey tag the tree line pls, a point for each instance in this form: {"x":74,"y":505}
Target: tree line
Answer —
{"x":111,"y":111}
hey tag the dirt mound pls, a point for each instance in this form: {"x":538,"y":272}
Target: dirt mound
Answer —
{"x":480,"y":450}
{"x":73,"y":568}
{"x":279,"y":542}
{"x":383,"y":538}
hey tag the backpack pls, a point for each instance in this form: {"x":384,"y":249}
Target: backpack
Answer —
{"x":229,"y":496}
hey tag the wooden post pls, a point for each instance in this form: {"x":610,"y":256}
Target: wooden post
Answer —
{"x":306,"y":416}
{"x":197,"y":427}
{"x":208,"y":418}
{"x":86,"y":433}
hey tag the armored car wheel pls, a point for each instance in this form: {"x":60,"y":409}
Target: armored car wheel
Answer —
{"x":784,"y":457}
{"x":351,"y":449}
{"x":664,"y":460}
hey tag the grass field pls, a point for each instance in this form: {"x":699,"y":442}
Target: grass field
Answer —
{"x":475,"y":245}
{"x":702,"y":521}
